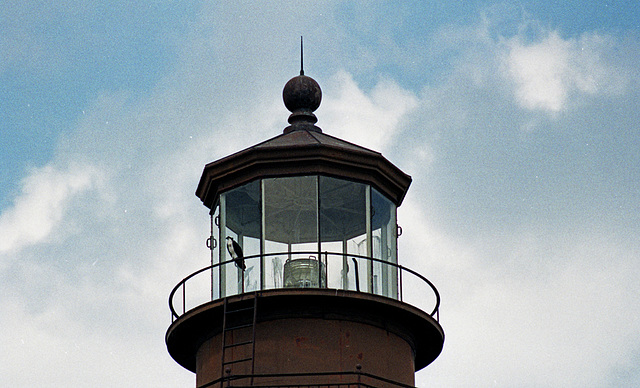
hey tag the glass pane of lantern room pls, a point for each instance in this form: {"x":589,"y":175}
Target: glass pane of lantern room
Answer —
{"x":383,"y":234}
{"x":343,"y":230}
{"x":291,"y":224}
{"x":241,"y":223}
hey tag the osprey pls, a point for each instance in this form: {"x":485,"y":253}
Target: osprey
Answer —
{"x":236,"y":253}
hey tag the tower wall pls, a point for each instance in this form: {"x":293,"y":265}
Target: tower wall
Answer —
{"x":299,"y":346}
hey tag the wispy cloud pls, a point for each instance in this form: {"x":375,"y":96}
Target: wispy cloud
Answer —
{"x":549,"y":73}
{"x":369,"y":119}
{"x":41,"y":207}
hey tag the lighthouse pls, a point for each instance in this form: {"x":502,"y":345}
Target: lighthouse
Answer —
{"x":305,"y":286}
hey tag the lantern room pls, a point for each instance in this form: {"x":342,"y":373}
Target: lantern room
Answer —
{"x":299,"y":231}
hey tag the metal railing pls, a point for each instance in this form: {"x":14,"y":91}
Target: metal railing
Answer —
{"x":266,"y":272}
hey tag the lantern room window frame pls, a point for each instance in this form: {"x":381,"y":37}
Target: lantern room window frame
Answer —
{"x":313,"y":216}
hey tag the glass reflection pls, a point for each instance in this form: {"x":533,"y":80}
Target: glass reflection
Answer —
{"x":342,"y":227}
{"x":383,"y":241}
{"x":291,"y":226}
{"x":242,"y":222}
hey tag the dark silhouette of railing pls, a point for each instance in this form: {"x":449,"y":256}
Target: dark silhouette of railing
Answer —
{"x":355,"y":379}
{"x":400,"y":277}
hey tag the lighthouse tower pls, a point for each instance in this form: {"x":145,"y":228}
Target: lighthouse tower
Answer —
{"x":305,"y":288}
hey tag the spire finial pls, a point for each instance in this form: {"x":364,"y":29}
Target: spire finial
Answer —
{"x":302,"y":96}
{"x":301,"y":57}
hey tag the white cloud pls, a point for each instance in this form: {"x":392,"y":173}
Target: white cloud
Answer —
{"x":88,"y":336}
{"x":369,"y":119}
{"x":46,"y":193}
{"x":536,"y":312}
{"x":548,"y":73}
{"x":541,"y":73}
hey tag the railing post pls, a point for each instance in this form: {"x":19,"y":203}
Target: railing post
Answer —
{"x":319,"y":270}
{"x":401,"y":284}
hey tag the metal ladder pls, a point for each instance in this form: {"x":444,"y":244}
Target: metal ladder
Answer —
{"x":232,"y":320}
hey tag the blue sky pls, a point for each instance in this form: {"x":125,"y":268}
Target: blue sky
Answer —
{"x":517,"y":122}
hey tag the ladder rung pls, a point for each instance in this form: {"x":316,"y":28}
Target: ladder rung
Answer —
{"x":238,"y":344}
{"x":239,"y":310}
{"x":237,"y":361}
{"x":238,"y":327}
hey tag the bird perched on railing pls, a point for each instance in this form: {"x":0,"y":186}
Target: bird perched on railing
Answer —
{"x":236,"y":253}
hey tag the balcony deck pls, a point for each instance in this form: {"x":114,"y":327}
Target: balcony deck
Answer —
{"x":197,"y":315}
